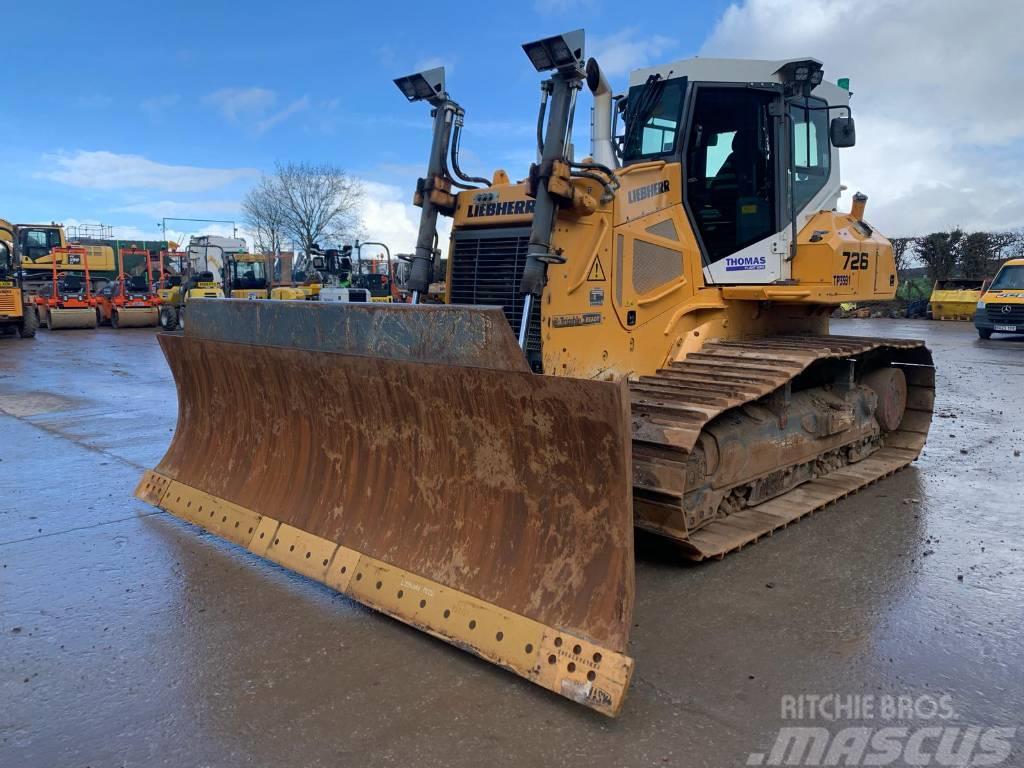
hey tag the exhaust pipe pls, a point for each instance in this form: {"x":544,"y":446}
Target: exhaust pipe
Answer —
{"x":601,"y":147}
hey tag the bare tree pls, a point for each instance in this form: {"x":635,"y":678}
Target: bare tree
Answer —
{"x":1015,"y":248}
{"x":263,"y":211}
{"x":320,"y":203}
{"x":902,"y":250}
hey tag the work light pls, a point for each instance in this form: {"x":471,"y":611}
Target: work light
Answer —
{"x":563,"y":51}
{"x":423,"y":86}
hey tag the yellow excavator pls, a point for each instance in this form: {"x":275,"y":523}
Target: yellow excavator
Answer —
{"x":638,"y":337}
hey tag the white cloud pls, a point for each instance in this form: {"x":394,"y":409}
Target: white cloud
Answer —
{"x":170,"y":208}
{"x":937,"y":122}
{"x":159,"y":106}
{"x":626,"y":50}
{"x":108,"y":170}
{"x":119,"y":232}
{"x":390,"y":217}
{"x":237,"y":103}
{"x":269,"y":122}
{"x":253,"y":106}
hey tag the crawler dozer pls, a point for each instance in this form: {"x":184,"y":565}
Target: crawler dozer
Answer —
{"x":640,"y":337}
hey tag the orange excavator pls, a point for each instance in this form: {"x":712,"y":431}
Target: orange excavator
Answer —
{"x":130,"y":301}
{"x":67,"y":300}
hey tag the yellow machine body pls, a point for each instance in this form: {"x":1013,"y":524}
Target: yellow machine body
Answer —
{"x":171,"y":295}
{"x":674,"y":372}
{"x":289,"y":293}
{"x":11,"y":303}
{"x":641,"y":261}
{"x":206,"y":290}
{"x":249,"y":293}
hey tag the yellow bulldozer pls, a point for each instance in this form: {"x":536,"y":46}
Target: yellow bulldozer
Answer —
{"x":636,"y":338}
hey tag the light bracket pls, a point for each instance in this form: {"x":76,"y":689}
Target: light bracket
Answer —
{"x":560,"y":52}
{"x":427,"y":85}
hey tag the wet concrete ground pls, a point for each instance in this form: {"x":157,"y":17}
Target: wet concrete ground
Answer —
{"x":126,"y":638}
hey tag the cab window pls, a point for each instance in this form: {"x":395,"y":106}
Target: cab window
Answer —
{"x":653,"y":113}
{"x":811,"y":150}
{"x":36,"y":243}
{"x":729,"y":169}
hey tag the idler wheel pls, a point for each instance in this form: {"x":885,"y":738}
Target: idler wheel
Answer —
{"x":891,"y":387}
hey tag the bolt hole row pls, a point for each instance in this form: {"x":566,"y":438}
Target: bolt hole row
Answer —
{"x":499,"y":636}
{"x":577,"y":650}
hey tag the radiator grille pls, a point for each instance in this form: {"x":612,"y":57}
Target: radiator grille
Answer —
{"x":1012,"y":316}
{"x":9,"y":303}
{"x":485,"y":267}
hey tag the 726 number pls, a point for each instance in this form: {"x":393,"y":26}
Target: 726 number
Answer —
{"x":855,"y":260}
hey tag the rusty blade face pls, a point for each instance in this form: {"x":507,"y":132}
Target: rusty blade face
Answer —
{"x":511,"y":487}
{"x":431,"y":333}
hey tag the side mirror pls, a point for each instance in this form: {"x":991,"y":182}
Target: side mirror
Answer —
{"x":842,"y":132}
{"x":318,"y":262}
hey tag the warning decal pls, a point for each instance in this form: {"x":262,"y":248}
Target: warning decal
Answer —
{"x":596,"y":271}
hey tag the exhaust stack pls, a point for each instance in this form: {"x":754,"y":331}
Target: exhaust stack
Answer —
{"x":601,"y":147}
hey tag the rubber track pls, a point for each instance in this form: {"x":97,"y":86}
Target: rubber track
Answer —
{"x":671,"y":408}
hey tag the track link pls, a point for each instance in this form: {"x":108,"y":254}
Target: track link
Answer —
{"x":672,"y":408}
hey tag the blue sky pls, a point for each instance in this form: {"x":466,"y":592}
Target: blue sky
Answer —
{"x":126,"y":112}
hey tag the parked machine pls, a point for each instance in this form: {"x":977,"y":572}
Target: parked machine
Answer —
{"x":636,"y":337}
{"x":186,"y":275}
{"x":131,"y":301}
{"x":17,"y":310}
{"x":1001,"y":308}
{"x":67,"y":300}
{"x":376,"y":275}
{"x":335,"y":272}
{"x":245,"y":276}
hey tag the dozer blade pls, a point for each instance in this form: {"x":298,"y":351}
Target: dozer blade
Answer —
{"x":407,"y":457}
{"x":72,"y":318}
{"x":137,"y":317}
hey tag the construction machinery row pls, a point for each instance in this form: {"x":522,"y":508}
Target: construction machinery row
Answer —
{"x":36,"y":244}
{"x":635,"y":338}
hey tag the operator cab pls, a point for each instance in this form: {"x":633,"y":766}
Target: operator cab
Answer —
{"x":248,"y":275}
{"x":741,"y":143}
{"x":137,"y":284}
{"x":6,"y":261}
{"x":36,"y":242}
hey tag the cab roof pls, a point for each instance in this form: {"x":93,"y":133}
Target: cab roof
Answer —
{"x":703,"y":70}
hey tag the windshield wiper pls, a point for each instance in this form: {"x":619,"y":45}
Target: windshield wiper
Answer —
{"x":640,"y":111}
